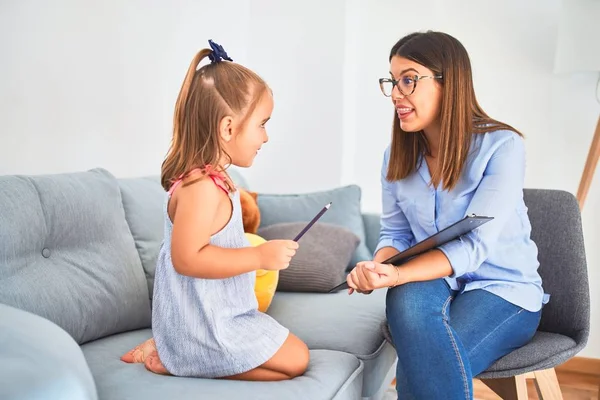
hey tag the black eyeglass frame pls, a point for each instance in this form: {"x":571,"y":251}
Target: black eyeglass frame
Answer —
{"x":415,"y":78}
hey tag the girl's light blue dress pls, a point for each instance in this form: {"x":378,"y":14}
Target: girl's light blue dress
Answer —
{"x":211,"y":328}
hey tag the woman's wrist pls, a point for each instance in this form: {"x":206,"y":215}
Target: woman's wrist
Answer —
{"x":384,"y":253}
{"x":395,"y":277}
{"x":399,"y":277}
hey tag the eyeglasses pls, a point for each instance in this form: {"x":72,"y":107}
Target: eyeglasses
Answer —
{"x":406,"y":85}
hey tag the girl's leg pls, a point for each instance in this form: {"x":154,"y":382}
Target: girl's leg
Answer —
{"x":140,"y":352}
{"x":490,"y":327}
{"x":431,"y":358}
{"x":146,"y":353}
{"x":153,"y":364}
{"x":290,"y":361}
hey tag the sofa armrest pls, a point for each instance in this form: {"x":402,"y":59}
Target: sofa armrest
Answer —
{"x":372,"y":227}
{"x":40,"y":360}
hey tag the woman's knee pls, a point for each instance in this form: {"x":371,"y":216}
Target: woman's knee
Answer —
{"x":413,"y":307}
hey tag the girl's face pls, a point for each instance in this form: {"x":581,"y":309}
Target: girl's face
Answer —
{"x":419,"y":111}
{"x":243,"y":144}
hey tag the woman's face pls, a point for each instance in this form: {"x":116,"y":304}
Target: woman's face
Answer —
{"x":419,"y":111}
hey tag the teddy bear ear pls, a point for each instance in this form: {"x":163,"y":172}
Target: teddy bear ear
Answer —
{"x":254,"y":195}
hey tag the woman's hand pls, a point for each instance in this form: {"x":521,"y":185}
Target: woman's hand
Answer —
{"x":369,"y":275}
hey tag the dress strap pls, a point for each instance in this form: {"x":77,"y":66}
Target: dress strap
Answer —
{"x":216,"y":177}
{"x":220,"y":182}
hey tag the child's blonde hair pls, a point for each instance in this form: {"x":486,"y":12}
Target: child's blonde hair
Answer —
{"x":207,"y":95}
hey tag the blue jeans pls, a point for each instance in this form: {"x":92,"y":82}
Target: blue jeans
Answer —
{"x":444,"y":338}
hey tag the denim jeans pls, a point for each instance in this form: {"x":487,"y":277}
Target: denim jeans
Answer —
{"x":444,"y":338}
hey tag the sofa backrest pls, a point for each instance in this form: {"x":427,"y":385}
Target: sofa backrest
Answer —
{"x":67,"y":254}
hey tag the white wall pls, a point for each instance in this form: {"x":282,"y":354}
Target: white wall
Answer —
{"x":90,"y":83}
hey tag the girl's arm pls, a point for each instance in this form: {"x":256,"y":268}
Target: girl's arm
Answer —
{"x":191,"y":253}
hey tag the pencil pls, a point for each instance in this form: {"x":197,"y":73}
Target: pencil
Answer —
{"x":311,"y":223}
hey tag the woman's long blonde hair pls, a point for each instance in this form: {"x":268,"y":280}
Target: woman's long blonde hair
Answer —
{"x":461,"y":116}
{"x":207,"y":95}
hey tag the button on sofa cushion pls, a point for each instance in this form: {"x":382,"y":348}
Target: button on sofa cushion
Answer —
{"x":67,"y":254}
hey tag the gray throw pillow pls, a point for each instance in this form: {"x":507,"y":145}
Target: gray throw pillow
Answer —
{"x":345,"y":211}
{"x":321,"y":260}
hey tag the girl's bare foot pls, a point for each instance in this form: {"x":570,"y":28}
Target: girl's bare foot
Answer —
{"x":153,"y":364}
{"x":140,"y":352}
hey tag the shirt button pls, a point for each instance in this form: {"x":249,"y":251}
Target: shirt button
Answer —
{"x":46,"y":253}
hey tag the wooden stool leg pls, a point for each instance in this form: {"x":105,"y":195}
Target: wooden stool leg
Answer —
{"x":547,"y":385}
{"x":590,"y":167}
{"x":514,"y":388}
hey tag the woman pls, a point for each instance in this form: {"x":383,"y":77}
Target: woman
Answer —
{"x":454,"y":310}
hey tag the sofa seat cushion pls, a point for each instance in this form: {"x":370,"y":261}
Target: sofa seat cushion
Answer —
{"x":342,"y":322}
{"x":67,"y":254}
{"x":331,"y":375}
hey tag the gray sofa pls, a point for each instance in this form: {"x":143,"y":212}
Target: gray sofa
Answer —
{"x":77,"y":254}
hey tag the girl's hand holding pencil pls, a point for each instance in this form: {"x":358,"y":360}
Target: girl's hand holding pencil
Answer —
{"x":276,"y":254}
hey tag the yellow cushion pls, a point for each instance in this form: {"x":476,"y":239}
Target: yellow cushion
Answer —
{"x":266,"y":281}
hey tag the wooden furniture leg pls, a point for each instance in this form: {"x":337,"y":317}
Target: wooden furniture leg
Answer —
{"x":547,"y":385}
{"x":590,"y":167}
{"x":514,"y":388}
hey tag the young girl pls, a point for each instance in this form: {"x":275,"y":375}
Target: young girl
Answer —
{"x":455,"y":310}
{"x":205,"y":317}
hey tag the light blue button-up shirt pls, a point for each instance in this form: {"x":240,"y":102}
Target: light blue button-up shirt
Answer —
{"x":499,"y":256}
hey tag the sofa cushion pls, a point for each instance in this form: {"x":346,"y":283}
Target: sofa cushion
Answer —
{"x":330,"y":375}
{"x":40,"y":360}
{"x":66,"y":254}
{"x":320,"y":261}
{"x":545,"y":350}
{"x":342,"y":322}
{"x":345,"y":211}
{"x":144,"y":202}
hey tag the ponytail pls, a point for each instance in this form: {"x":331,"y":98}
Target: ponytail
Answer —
{"x":173,"y":166}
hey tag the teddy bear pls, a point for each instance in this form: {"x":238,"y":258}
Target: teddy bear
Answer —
{"x":250,"y":211}
{"x":264,"y":288}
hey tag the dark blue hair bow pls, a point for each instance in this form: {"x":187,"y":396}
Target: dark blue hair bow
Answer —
{"x":218,"y":53}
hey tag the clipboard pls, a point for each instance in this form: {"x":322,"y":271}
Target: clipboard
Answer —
{"x":444,"y":236}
